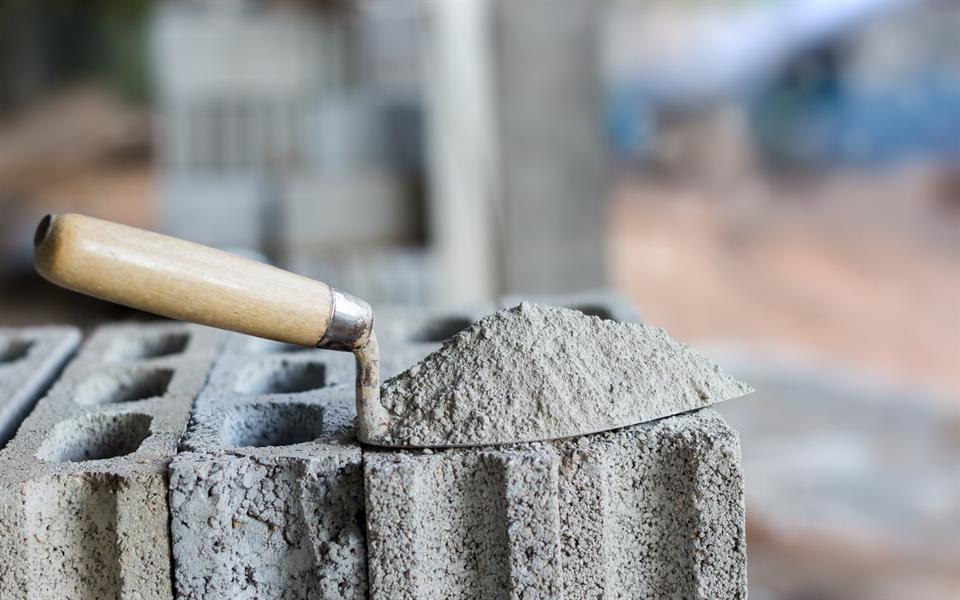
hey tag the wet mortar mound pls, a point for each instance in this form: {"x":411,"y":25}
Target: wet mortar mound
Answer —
{"x":535,"y":372}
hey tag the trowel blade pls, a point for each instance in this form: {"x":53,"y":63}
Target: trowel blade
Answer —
{"x":535,"y":373}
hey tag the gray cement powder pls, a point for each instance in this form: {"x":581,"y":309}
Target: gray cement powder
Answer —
{"x":537,"y":372}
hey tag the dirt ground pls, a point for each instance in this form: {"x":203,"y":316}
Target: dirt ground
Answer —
{"x":863,"y":269}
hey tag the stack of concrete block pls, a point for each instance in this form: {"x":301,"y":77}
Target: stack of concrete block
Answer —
{"x":269,"y":494}
{"x":266,"y":496}
{"x":30,"y":359}
{"x":83,"y":502}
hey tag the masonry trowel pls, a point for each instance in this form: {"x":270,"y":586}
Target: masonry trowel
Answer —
{"x":183,"y":280}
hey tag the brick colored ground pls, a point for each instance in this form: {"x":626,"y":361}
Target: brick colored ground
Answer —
{"x":861,"y":270}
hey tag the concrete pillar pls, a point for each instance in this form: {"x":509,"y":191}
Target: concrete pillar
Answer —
{"x":515,"y":147}
{"x":550,"y":145}
{"x":461,"y":148}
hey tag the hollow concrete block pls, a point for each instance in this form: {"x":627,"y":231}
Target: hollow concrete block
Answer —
{"x":267,"y":496}
{"x":654,"y":511}
{"x":649,"y":511}
{"x":30,"y":359}
{"x":269,"y":523}
{"x":463,"y":524}
{"x":83,"y":505}
{"x":405,"y":326}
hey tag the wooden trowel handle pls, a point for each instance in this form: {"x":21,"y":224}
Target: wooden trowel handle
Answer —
{"x":190,"y":282}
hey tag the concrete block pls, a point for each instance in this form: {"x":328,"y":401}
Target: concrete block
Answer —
{"x":402,"y":325}
{"x":463,"y":524}
{"x":654,"y":511}
{"x":649,"y":511}
{"x":348,"y":208}
{"x":256,"y":523}
{"x":267,"y":497}
{"x":257,"y":381}
{"x":30,"y":359}
{"x":394,"y":274}
{"x":603,"y":303}
{"x":189,"y":199}
{"x":83,"y":505}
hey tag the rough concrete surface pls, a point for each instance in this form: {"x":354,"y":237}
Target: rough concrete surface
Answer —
{"x":462,"y":524}
{"x":667,"y":500}
{"x":649,"y":511}
{"x":83,"y":505}
{"x":267,"y":496}
{"x":537,"y":372}
{"x":30,"y":359}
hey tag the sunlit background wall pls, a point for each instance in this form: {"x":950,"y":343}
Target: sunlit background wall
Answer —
{"x":777,"y":183}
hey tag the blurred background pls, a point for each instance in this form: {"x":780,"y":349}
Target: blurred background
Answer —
{"x":777,"y":183}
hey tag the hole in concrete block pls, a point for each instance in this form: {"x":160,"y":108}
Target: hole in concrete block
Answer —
{"x":116,"y":387}
{"x":13,"y":350}
{"x":592,"y":310}
{"x":262,"y":346}
{"x":149,"y":346}
{"x":260,"y":425}
{"x":439,"y":330}
{"x":282,"y":378}
{"x":95,"y":437}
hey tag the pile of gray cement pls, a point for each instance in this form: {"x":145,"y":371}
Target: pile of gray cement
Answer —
{"x":537,"y":372}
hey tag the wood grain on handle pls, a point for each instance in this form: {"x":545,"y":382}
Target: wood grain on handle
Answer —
{"x":180,"y":279}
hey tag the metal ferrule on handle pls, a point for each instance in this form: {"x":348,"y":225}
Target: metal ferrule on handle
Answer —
{"x":350,"y":324}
